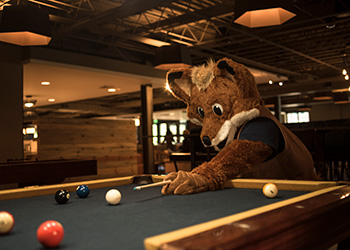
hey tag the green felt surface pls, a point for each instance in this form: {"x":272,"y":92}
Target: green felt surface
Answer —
{"x":91,"y":223}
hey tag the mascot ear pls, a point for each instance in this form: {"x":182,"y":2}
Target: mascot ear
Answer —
{"x":243,"y":78}
{"x":222,"y":64}
{"x":179,"y":82}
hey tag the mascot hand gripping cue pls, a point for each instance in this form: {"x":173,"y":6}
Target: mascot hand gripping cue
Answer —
{"x":223,"y":98}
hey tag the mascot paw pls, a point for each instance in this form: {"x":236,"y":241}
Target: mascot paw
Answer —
{"x":185,"y":183}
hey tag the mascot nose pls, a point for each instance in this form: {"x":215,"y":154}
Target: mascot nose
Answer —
{"x":206,"y":141}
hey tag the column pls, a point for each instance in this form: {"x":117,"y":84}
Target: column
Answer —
{"x":146,"y":124}
{"x":11,"y":102}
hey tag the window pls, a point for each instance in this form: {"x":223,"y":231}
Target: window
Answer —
{"x":298,"y":117}
{"x":182,"y":128}
{"x":160,"y":128}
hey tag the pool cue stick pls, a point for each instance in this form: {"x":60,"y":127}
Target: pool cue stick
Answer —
{"x":152,"y":185}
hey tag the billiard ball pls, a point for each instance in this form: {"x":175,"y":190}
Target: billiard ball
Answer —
{"x":7,"y":222}
{"x":83,"y":191}
{"x":270,"y":190}
{"x":50,"y":233}
{"x":113,"y":196}
{"x":62,"y":196}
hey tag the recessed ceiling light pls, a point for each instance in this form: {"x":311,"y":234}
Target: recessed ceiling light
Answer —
{"x":29,"y":104}
{"x":111,"y":90}
{"x":45,"y":83}
{"x":51,"y":99}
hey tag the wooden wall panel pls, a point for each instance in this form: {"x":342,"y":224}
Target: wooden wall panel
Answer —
{"x":111,"y":142}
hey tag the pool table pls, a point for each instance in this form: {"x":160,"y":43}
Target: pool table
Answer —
{"x":304,"y":215}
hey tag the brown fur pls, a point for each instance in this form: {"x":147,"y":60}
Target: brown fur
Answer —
{"x":230,"y":86}
{"x":236,"y":159}
{"x":235,"y":93}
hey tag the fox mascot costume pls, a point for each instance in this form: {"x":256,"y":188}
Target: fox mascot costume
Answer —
{"x":222,"y":97}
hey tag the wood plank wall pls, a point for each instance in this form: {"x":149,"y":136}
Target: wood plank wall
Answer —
{"x":111,"y":142}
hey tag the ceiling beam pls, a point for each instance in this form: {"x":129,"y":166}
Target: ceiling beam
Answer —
{"x":76,"y":107}
{"x":189,"y":17}
{"x":71,"y":58}
{"x":265,"y":40}
{"x":249,"y":62}
{"x":129,"y":8}
{"x":305,"y":86}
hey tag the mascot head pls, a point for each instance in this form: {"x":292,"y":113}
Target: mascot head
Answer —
{"x":220,"y":97}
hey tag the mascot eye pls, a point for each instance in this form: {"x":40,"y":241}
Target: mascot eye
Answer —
{"x":217,"y":108}
{"x":200,"y":111}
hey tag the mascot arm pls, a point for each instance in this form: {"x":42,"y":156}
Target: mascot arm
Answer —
{"x":238,"y":158}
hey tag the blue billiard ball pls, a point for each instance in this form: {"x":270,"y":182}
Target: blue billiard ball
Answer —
{"x":83,"y":191}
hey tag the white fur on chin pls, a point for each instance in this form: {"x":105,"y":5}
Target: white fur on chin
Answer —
{"x":229,"y":128}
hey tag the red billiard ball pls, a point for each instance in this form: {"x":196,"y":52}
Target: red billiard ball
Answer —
{"x":62,"y":196}
{"x":7,"y":222}
{"x":50,"y":233}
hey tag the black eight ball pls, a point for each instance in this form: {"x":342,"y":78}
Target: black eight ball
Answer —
{"x":62,"y":196}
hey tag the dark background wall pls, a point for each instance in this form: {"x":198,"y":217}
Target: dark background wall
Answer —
{"x":11,"y":95}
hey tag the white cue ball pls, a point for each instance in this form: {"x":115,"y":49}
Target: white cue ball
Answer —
{"x":113,"y":196}
{"x":270,"y":190}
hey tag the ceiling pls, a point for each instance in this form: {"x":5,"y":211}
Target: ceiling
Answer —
{"x":307,"y":52}
{"x":70,"y":83}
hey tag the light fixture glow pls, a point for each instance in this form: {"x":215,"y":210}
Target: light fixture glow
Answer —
{"x":264,"y":17}
{"x":270,"y":82}
{"x":346,"y":77}
{"x":340,"y":90}
{"x":45,"y":83}
{"x":112,"y":90}
{"x":280,"y":83}
{"x":344,"y":72}
{"x":29,"y":104}
{"x":51,"y":99}
{"x":137,"y":122}
{"x":25,"y":25}
{"x":30,"y":131}
{"x":322,"y":98}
